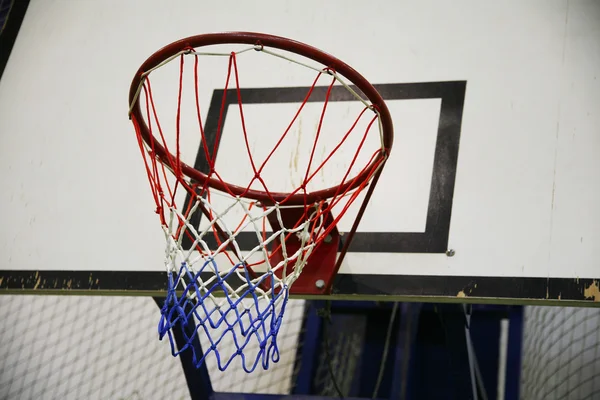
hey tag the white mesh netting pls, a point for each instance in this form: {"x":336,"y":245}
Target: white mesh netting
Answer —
{"x":77,"y":347}
{"x":561,"y":353}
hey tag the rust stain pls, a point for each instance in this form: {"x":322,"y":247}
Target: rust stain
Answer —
{"x":291,"y":170}
{"x":1,"y":279}
{"x":592,"y":291}
{"x":293,"y":166}
{"x":297,"y":152}
{"x":461,"y":294}
{"x":323,"y":157}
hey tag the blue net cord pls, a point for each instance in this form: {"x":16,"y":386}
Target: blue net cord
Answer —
{"x":230,"y":321}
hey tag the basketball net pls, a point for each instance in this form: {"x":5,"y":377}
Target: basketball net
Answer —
{"x":214,"y":288}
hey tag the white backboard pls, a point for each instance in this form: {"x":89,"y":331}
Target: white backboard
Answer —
{"x":496,"y":153}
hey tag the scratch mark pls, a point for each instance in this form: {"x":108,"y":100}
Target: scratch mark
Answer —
{"x":38,"y":280}
{"x":556,"y":142}
{"x":564,"y":50}
{"x":553,"y":186}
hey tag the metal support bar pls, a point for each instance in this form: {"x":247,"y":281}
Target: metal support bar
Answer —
{"x":513,"y":356}
{"x":248,"y":396}
{"x":307,"y":355}
{"x":403,"y":359}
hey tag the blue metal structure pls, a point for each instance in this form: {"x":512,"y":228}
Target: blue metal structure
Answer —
{"x":423,"y":349}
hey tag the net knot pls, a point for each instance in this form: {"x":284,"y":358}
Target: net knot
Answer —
{"x":374,"y":108}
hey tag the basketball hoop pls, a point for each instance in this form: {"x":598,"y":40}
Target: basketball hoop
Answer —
{"x":212,"y":282}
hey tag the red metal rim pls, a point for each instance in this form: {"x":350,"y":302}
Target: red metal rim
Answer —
{"x":277,"y":42}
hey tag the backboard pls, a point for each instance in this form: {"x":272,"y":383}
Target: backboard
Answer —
{"x":490,"y":193}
